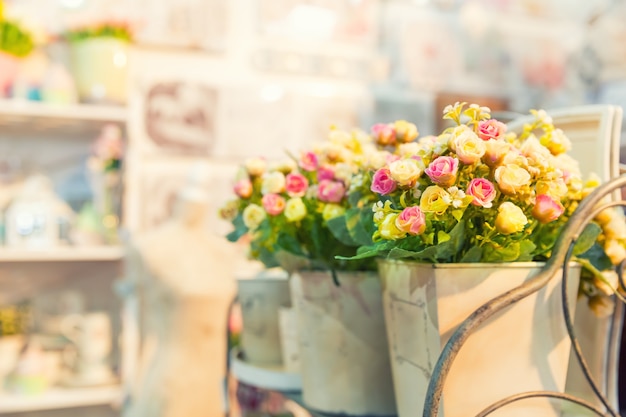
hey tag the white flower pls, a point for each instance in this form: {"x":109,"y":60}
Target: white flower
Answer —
{"x":456,"y":196}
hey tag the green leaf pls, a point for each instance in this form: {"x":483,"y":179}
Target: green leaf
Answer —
{"x":339,"y":230}
{"x":289,"y":244}
{"x":240,"y":229}
{"x":597,"y":257}
{"x":473,"y":255}
{"x":370,"y":253}
{"x":527,"y":247}
{"x":359,"y":226}
{"x":509,"y":253}
{"x":442,"y":236}
{"x":587,"y":239}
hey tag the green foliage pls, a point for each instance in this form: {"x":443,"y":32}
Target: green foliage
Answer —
{"x":14,"y":40}
{"x":114,"y":30}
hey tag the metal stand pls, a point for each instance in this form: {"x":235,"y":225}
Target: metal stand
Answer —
{"x":588,"y":209}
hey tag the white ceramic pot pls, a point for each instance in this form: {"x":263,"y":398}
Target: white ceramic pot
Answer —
{"x":288,"y":322}
{"x":100,"y":69}
{"x":261,"y":299}
{"x":344,"y":357}
{"x":524,"y":348}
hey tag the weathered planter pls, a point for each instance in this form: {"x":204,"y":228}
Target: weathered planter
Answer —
{"x":100,"y":69}
{"x":524,"y":348}
{"x":261,"y":299}
{"x":344,"y":357}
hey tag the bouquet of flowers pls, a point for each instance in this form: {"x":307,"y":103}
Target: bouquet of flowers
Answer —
{"x":476,"y":193}
{"x":296,"y":212}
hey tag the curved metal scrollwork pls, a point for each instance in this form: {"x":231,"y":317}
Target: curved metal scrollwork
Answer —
{"x":584,"y":214}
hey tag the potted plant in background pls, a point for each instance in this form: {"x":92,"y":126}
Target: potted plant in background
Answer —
{"x":296,"y":216}
{"x":99,"y":60}
{"x":464,"y":217}
{"x":15,"y":44}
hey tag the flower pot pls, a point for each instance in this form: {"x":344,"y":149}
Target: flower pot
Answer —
{"x":287,"y":318}
{"x":100,"y":68}
{"x":524,"y":348}
{"x":261,"y":298}
{"x":344,"y":357}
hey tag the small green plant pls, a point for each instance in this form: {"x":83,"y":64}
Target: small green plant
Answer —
{"x":115,"y":30}
{"x":14,"y":40}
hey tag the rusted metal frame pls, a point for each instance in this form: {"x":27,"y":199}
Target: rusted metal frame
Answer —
{"x":561,"y":252}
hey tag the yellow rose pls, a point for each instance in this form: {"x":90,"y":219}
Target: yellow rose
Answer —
{"x":615,"y":251}
{"x":253,"y":215}
{"x":435,"y":199}
{"x":285,"y":166}
{"x":555,"y":189}
{"x":511,"y":219}
{"x":255,"y":166}
{"x":469,"y":147}
{"x":295,"y":210}
{"x":511,"y":178}
{"x":273,"y":183}
{"x":332,"y":210}
{"x":344,"y":172}
{"x":405,"y":171}
{"x":407,"y":150}
{"x":616,"y":227}
{"x":377,"y":159}
{"x":608,"y":284}
{"x":495,"y":151}
{"x":556,"y":142}
{"x":405,"y":131}
{"x":388,"y":229}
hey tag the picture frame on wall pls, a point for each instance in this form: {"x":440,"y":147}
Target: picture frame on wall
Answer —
{"x":176,"y":117}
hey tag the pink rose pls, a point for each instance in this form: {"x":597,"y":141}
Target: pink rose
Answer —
{"x":308,"y":161}
{"x":483,"y":192}
{"x":382,"y":183}
{"x":547,"y":209}
{"x":243,"y":188}
{"x":384,"y":134}
{"x":442,"y":171}
{"x":330,"y":191}
{"x":411,"y":220}
{"x":325,"y":172}
{"x":296,"y":184}
{"x":490,"y":129}
{"x":274,"y":204}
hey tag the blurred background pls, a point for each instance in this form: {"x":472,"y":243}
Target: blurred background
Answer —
{"x":108,"y":108}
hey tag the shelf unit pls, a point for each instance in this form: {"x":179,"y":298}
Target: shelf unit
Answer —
{"x":71,"y":119}
{"x":63,"y":254}
{"x":57,"y":398}
{"x":24,"y":272}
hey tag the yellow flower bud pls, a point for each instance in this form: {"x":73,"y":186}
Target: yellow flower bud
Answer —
{"x":388,"y":229}
{"x":510,"y":219}
{"x":435,"y":199}
{"x":332,"y":210}
{"x":295,"y":210}
{"x":253,"y":215}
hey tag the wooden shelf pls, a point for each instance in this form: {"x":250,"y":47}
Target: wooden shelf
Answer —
{"x":56,"y":398}
{"x":86,"y":112}
{"x":63,"y":254}
{"x":20,"y":117}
